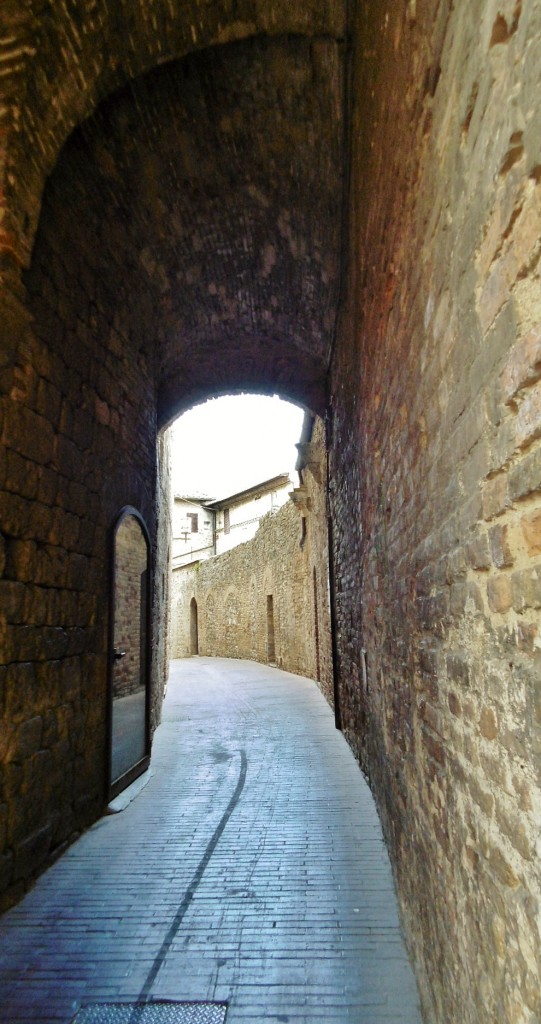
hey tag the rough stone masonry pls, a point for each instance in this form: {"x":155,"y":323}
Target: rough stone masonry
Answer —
{"x":341,"y":205}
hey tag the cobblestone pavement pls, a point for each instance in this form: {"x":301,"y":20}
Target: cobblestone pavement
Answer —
{"x":251,"y":869}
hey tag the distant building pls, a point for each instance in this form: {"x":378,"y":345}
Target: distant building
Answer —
{"x":268,"y":599}
{"x":205,"y":526}
{"x":238,"y":516}
{"x":193,"y":526}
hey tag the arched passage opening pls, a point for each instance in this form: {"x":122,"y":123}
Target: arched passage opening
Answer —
{"x":246,"y":557}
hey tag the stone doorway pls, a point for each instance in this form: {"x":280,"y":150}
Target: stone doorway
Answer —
{"x":194,"y":630}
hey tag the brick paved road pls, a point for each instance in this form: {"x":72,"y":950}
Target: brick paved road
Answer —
{"x":250,"y":869}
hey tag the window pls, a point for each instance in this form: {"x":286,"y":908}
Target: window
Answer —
{"x":194,"y":518}
{"x":227,"y":524}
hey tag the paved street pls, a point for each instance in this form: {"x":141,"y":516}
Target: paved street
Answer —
{"x":249,"y":870}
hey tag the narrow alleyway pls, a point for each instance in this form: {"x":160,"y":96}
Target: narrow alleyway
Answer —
{"x":250,"y":870}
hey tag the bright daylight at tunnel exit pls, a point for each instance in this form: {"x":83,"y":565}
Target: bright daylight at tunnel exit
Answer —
{"x":270,"y":741}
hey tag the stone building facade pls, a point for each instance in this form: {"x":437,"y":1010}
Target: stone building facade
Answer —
{"x":237,"y":516}
{"x":266,"y":599}
{"x":193,"y":529}
{"x":202,"y":527}
{"x":339,"y":203}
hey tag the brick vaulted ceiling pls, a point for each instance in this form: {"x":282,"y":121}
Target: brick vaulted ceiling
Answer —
{"x":212,"y":182}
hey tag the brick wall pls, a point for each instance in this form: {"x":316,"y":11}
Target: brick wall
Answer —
{"x":285,"y":562}
{"x":436,"y":431}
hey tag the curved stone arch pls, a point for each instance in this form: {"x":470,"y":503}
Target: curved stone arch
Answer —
{"x":65,"y":65}
{"x":200,"y":198}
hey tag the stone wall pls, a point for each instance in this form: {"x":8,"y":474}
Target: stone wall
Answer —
{"x":436,"y":443}
{"x":286,"y":561}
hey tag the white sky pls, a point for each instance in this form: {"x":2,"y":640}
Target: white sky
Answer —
{"x":228,"y":444}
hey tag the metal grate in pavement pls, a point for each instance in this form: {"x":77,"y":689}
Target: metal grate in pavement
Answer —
{"x":152,"y":1013}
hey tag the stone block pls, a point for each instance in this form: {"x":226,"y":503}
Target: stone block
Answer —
{"x":525,"y":478}
{"x":29,"y":434}
{"x":526,"y":588}
{"x":531,"y":529}
{"x":488,"y":725}
{"x":496,"y":290}
{"x":454,"y":704}
{"x":528,"y":424}
{"x":21,"y":560}
{"x":30,"y":854}
{"x":499,"y":593}
{"x":458,"y":669}
{"x":28,"y":738}
{"x":524,"y":365}
{"x":502,"y":869}
{"x":500,"y":548}
{"x":495,"y":496}
{"x":483,"y":799}
{"x":513,"y":826}
{"x":12,"y":600}
{"x":434,"y":747}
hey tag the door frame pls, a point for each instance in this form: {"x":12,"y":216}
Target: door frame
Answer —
{"x":112,"y":788}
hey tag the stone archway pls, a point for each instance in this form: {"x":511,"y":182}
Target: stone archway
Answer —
{"x":429,"y":369}
{"x":177,"y":256}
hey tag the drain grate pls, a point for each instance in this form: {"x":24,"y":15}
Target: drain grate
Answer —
{"x":152,"y":1013}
